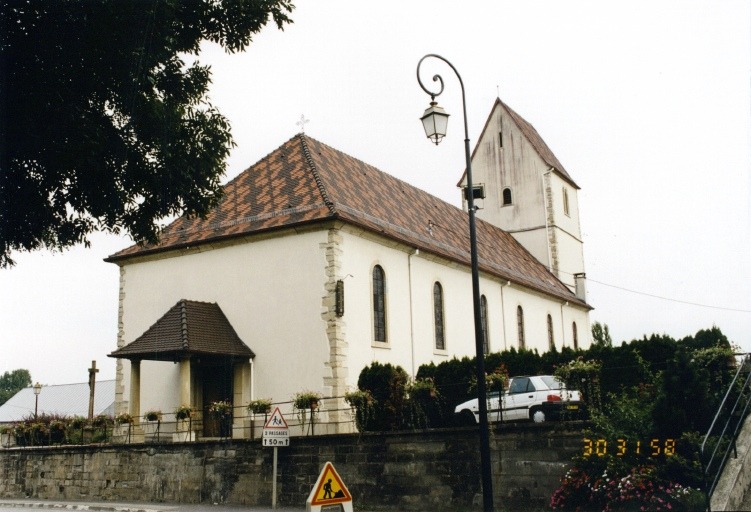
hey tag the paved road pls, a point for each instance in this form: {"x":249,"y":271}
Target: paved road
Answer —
{"x":107,"y":506}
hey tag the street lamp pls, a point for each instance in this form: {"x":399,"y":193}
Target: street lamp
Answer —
{"x":37,"y":390}
{"x":435,"y":121}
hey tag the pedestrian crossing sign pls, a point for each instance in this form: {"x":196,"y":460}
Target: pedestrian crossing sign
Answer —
{"x":329,"y":490}
{"x":276,"y":421}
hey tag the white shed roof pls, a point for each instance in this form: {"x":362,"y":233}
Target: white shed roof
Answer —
{"x":62,"y":399}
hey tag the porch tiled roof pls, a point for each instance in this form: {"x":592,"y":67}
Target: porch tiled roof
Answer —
{"x":189,"y":327}
{"x":305,"y":181}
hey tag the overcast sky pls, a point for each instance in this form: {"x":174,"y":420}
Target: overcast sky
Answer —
{"x":647,"y":104}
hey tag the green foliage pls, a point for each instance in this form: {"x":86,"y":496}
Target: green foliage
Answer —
{"x":108,"y":128}
{"x":679,"y":386}
{"x":601,"y":335}
{"x":304,"y":400}
{"x":184,"y":412}
{"x":452,"y":380}
{"x":583,"y":375}
{"x":13,"y":382}
{"x":388,"y":386}
{"x":260,"y":406}
{"x":363,"y":404}
{"x":639,"y":488}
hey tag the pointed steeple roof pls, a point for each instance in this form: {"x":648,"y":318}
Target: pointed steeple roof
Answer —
{"x":532,"y":136}
{"x":305,"y":181}
{"x":188,"y":328}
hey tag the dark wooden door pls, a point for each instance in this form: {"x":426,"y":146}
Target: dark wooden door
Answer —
{"x":217,"y":385}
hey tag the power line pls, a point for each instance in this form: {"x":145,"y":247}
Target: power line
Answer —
{"x":670,"y":299}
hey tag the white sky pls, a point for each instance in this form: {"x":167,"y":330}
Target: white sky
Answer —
{"x":647,"y":104}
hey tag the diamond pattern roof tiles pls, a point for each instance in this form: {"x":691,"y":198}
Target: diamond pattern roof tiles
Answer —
{"x":305,"y":181}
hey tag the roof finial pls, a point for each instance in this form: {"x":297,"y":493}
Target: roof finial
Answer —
{"x":498,"y":91}
{"x":302,"y":122}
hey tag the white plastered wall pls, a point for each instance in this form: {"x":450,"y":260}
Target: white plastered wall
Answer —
{"x":269,"y":289}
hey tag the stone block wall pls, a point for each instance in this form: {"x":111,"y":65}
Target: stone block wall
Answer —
{"x":432,"y":470}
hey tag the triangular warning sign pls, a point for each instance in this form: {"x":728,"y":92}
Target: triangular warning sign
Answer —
{"x":276,"y":420}
{"x":329,"y":488}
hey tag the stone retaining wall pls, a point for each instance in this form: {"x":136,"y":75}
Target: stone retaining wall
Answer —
{"x":433,"y":470}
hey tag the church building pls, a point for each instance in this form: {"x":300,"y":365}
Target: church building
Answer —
{"x":316,"y":264}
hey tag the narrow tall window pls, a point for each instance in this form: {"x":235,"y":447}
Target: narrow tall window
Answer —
{"x":565,"y":201}
{"x":484,"y":322}
{"x":520,"y":325}
{"x":551,"y":341}
{"x":576,"y":336}
{"x":379,"y":304}
{"x":440,"y":337}
{"x":506,"y":196}
{"x":500,"y":139}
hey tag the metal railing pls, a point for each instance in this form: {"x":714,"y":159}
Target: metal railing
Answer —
{"x":330,"y":416}
{"x":721,"y":437}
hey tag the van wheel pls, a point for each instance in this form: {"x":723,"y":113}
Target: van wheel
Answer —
{"x":466,"y":418}
{"x":537,"y":415}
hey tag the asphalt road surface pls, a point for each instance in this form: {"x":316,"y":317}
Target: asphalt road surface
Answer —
{"x":106,"y":506}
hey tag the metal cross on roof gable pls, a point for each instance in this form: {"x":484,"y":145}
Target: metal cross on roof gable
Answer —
{"x":302,"y":122}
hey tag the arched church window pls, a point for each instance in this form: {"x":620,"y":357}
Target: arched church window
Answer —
{"x":520,"y":326}
{"x":551,"y":341}
{"x":506,"y":196}
{"x":440,"y":335}
{"x":379,"y":304}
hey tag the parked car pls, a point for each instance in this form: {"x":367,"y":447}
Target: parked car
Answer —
{"x":537,"y":398}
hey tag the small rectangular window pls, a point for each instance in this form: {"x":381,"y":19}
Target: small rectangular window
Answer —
{"x":500,"y":139}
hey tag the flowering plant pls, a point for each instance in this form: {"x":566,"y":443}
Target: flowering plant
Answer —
{"x":497,"y":380}
{"x":153,"y":416}
{"x":124,"y":418}
{"x":220,"y":408}
{"x":640,"y":489}
{"x":306,"y":400}
{"x":260,"y":406}
{"x":78,"y":422}
{"x":184,"y":412}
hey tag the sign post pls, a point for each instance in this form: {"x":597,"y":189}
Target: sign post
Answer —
{"x":275,"y":434}
{"x":329,"y":494}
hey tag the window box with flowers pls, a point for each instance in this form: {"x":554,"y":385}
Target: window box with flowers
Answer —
{"x":154,"y":417}
{"x":222,"y":411}
{"x":304,"y":402}
{"x":260,"y":406}
{"x":184,"y":415}
{"x":184,"y":412}
{"x":362,"y":404}
{"x":125,"y":423}
{"x":21,"y":433}
{"x":57,"y":430}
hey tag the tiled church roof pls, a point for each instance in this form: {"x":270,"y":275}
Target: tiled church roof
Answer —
{"x":189,"y":327}
{"x":305,"y":181}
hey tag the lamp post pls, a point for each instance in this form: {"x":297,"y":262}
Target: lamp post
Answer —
{"x":37,"y":390}
{"x":435,"y":121}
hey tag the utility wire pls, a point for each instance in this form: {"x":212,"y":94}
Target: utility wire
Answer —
{"x":670,"y":299}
